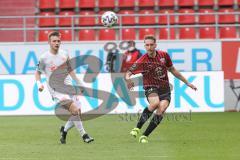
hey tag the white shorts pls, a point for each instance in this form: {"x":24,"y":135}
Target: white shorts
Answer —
{"x":58,"y":97}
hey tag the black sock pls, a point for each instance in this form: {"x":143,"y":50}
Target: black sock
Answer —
{"x":153,"y":124}
{"x":144,"y":117}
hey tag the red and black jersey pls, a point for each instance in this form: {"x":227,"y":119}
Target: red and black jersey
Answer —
{"x":154,"y":70}
{"x":129,"y":58}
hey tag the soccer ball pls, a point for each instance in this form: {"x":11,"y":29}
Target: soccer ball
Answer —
{"x":109,"y":18}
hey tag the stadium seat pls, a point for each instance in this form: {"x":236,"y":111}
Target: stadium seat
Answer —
{"x":16,"y":36}
{"x":166,"y":3}
{"x":47,"y":4}
{"x":48,"y":21}
{"x":163,"y":33}
{"x":225,"y":2}
{"x":147,"y":19}
{"x":106,"y":3}
{"x":203,"y":3}
{"x":186,"y":3}
{"x":66,"y":35}
{"x":86,"y":19}
{"x":207,"y":33}
{"x":87,"y":35}
{"x":164,"y":18}
{"x":63,"y":4}
{"x":126,"y":3}
{"x":187,"y":33}
{"x":227,"y":32}
{"x":128,"y":34}
{"x":107,"y":34}
{"x":187,"y":18}
{"x":146,"y":3}
{"x":126,"y":20}
{"x":225,"y":17}
{"x":86,"y":4}
{"x":43,"y":35}
{"x":66,"y":21}
{"x":206,"y":17}
{"x":146,"y":31}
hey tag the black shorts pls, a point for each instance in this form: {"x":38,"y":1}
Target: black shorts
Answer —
{"x":163,"y":94}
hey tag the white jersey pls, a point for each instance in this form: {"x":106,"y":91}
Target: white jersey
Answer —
{"x":49,"y":62}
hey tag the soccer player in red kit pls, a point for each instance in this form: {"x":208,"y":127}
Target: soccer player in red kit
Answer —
{"x":153,"y":66}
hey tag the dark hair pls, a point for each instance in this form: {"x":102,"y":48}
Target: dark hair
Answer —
{"x":131,"y":42}
{"x":150,"y":37}
{"x":54,"y":33}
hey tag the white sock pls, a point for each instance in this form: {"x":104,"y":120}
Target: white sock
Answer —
{"x":68,"y":125}
{"x":78,"y":124}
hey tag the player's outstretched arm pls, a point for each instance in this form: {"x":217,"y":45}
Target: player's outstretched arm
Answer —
{"x":177,"y":74}
{"x":38,"y":81}
{"x":128,"y":80}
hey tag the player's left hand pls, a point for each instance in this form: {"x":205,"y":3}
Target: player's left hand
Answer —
{"x":192,"y":86}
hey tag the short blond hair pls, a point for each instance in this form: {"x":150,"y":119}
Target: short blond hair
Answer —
{"x":152,"y":37}
{"x":54,"y":33}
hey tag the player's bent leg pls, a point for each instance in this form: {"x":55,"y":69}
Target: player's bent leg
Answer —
{"x":157,"y":118}
{"x":153,"y":99}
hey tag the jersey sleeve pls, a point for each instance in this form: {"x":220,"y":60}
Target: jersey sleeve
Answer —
{"x":168,"y":61}
{"x":41,"y":65}
{"x":138,"y":66}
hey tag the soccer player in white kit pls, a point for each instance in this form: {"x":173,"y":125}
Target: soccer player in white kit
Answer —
{"x":49,"y":62}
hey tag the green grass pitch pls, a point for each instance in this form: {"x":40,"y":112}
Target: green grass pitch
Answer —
{"x":199,"y":136}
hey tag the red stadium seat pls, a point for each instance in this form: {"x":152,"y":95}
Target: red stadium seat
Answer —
{"x":187,"y":18}
{"x":66,"y":21}
{"x":163,"y":33}
{"x":166,"y":3}
{"x":147,"y":19}
{"x":205,"y":3}
{"x":48,"y":21}
{"x":86,"y":19}
{"x":66,"y":35}
{"x":225,"y":17}
{"x":47,"y":4}
{"x":16,"y":36}
{"x":208,"y":18}
{"x":106,"y":3}
{"x":187,"y":33}
{"x":146,"y":3}
{"x":87,"y":35}
{"x":107,"y":34}
{"x":43,"y":35}
{"x":67,"y":4}
{"x":127,"y":19}
{"x":128,"y":34}
{"x":227,"y":32}
{"x":164,"y":18}
{"x":225,"y":2}
{"x":126,"y":3}
{"x":207,"y":33}
{"x":146,"y":31}
{"x":86,"y":4}
{"x":186,"y":3}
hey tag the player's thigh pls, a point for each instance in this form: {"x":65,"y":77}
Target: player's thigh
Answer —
{"x":153,"y":100}
{"x":67,"y":102}
{"x":162,"y":107}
